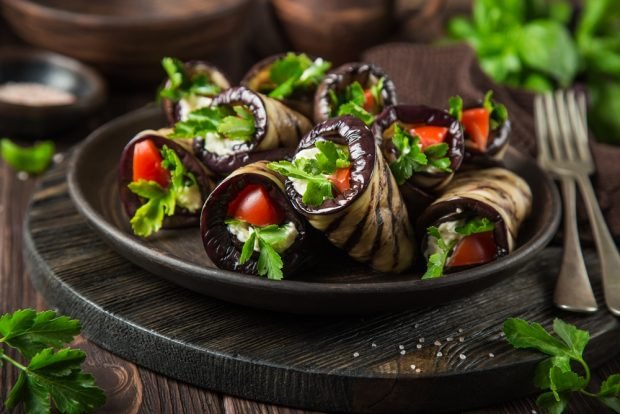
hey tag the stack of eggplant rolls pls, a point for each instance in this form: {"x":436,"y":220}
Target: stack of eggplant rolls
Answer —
{"x":302,"y":155}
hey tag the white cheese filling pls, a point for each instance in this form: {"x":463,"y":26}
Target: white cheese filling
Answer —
{"x":189,"y":198}
{"x":301,"y":185}
{"x":192,"y":103}
{"x":242,"y":231}
{"x":219,"y":145}
{"x":448,"y":233}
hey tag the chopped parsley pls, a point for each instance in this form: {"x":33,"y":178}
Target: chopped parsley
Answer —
{"x":160,"y":201}
{"x":353,"y":99}
{"x":180,"y":84}
{"x":412,"y":159}
{"x":437,"y":261}
{"x":234,"y":122}
{"x":294,"y":72}
{"x":315,"y":171}
{"x":268,"y":239}
{"x":497,"y":112}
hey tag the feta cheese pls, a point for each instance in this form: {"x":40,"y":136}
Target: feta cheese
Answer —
{"x":448,"y":233}
{"x":189,"y":198}
{"x":242,"y":231}
{"x":298,"y":184}
{"x":217,"y":144}
{"x":191,"y":103}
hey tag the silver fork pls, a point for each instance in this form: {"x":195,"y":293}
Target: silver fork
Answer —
{"x":570,"y":158}
{"x":572,"y":290}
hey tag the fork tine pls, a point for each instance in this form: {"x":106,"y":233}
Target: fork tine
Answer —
{"x":553,"y":128}
{"x":577,"y":116}
{"x":567,"y":128}
{"x":541,"y":129}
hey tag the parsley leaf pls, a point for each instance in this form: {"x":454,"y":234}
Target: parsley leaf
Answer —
{"x":331,"y":157}
{"x":410,"y":157}
{"x":351,"y":108}
{"x":33,"y":160}
{"x":235,"y":123}
{"x":497,"y":112}
{"x":475,"y":225}
{"x":180,"y":84}
{"x":352,"y":101}
{"x":53,"y":374}
{"x":456,"y":107}
{"x":269,"y":261}
{"x":295,"y":71}
{"x":30,"y":331}
{"x":437,"y":261}
{"x":161,"y":202}
{"x":376,"y":90}
{"x":436,"y":155}
{"x":248,"y":248}
{"x":555,"y":375}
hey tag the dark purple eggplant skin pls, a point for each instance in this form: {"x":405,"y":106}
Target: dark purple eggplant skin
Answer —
{"x":226,"y":164}
{"x":498,"y":140}
{"x":422,"y":114}
{"x":131,"y":202}
{"x":301,"y":100}
{"x":223,"y":166}
{"x":416,"y":200}
{"x":171,"y":108}
{"x":446,"y":211}
{"x":341,"y":77}
{"x":224,"y":249}
{"x":349,"y":131}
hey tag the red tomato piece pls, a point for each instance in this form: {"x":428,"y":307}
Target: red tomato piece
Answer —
{"x":474,"y":249}
{"x":147,"y":164}
{"x":253,"y":205}
{"x":429,"y":134}
{"x":370,"y":103}
{"x":476,"y":125}
{"x":341,"y":179}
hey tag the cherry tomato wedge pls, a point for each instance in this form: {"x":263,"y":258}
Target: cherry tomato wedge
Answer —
{"x":147,"y":164}
{"x":370,"y":103}
{"x":341,"y":179}
{"x":476,"y":125}
{"x":429,"y":134}
{"x":254,"y":206}
{"x":474,"y":249}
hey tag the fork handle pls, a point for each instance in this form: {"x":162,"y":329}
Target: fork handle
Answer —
{"x":573,"y":291}
{"x":605,"y":246}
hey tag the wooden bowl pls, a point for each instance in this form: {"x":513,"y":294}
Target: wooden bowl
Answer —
{"x":336,"y":30}
{"x":31,"y":66}
{"x":128,"y":38}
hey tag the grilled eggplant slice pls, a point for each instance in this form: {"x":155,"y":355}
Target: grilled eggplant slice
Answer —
{"x":276,"y":132}
{"x":340,"y":182}
{"x":422,"y":145}
{"x":196,"y":84}
{"x":161,"y":185}
{"x":359,"y":89}
{"x":252,"y":200}
{"x":486,"y":127}
{"x":290,"y":78}
{"x":475,"y":220}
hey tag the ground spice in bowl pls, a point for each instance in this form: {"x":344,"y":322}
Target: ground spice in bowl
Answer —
{"x":34,"y":94}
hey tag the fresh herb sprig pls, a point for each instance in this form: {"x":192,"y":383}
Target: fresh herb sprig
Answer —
{"x":293,"y":72}
{"x":315,"y":171}
{"x":555,"y":375}
{"x":53,"y":376}
{"x":411,"y":158}
{"x":268,"y":239}
{"x":33,"y":160}
{"x":353,"y":99}
{"x":236,"y":122}
{"x":497,"y":112}
{"x":181,"y":84}
{"x":161,"y":201}
{"x":474,"y":226}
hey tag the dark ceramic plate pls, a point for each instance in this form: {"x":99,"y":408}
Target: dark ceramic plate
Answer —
{"x":336,"y":285}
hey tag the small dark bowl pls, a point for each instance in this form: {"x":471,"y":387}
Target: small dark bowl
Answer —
{"x":60,"y":72}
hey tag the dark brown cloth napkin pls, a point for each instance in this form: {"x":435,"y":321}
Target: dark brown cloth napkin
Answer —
{"x":430,"y":75}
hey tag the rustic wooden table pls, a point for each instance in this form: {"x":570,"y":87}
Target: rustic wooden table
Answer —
{"x":129,"y":388}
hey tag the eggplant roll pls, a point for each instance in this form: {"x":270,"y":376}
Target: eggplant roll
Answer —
{"x":252,"y":200}
{"x":212,"y":82}
{"x":161,"y":185}
{"x":356,"y":202}
{"x":477,"y":217}
{"x":276,"y":132}
{"x":269,"y":75}
{"x":425,"y":130}
{"x":337,"y":91}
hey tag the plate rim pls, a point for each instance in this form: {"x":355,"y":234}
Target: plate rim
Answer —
{"x":540,"y":238}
